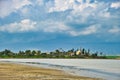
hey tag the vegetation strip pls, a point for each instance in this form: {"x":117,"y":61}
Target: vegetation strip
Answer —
{"x":58,"y":53}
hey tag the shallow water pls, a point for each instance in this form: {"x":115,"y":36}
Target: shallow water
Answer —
{"x":98,"y":68}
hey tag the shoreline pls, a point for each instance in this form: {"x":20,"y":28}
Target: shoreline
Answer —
{"x":66,"y":58}
{"x":61,"y":58}
{"x":12,"y":71}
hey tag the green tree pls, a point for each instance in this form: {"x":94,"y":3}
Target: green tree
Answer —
{"x":21,"y":53}
{"x":38,"y":52}
{"x":28,"y":53}
{"x":34,"y":53}
{"x":57,"y":53}
{"x":83,"y":51}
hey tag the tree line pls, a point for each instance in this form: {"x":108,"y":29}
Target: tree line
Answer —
{"x":58,"y":53}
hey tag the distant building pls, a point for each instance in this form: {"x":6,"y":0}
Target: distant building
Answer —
{"x":72,"y":54}
{"x":78,"y":52}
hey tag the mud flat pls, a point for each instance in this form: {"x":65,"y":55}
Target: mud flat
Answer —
{"x":10,"y":71}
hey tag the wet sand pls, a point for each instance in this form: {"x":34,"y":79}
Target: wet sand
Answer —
{"x":10,"y":71}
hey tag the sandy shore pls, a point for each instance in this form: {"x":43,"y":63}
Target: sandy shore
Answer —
{"x":9,"y":71}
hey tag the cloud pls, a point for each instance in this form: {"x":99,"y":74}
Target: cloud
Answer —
{"x":40,"y":2}
{"x":115,"y":5}
{"x":22,"y":26}
{"x":86,"y":10}
{"x":59,"y":27}
{"x":29,"y":25}
{"x":20,"y":3}
{"x":52,"y":26}
{"x":7,"y":7}
{"x":114,"y":30}
{"x":86,"y":31}
{"x":61,"y":5}
{"x":56,"y":16}
{"x":75,"y":5}
{"x":80,"y":10}
{"x":90,"y":30}
{"x":48,"y":26}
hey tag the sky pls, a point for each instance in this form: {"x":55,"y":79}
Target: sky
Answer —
{"x":52,"y":24}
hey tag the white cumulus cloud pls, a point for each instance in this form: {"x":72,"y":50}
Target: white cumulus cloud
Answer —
{"x":115,"y":5}
{"x":49,"y":26}
{"x":60,"y":27}
{"x":9,"y":6}
{"x":61,"y":5}
{"x":40,"y":2}
{"x":22,"y":26}
{"x":52,"y":26}
{"x":86,"y":31}
{"x":115,"y":30}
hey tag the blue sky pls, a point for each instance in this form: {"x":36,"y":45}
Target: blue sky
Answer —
{"x":51,"y":24}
